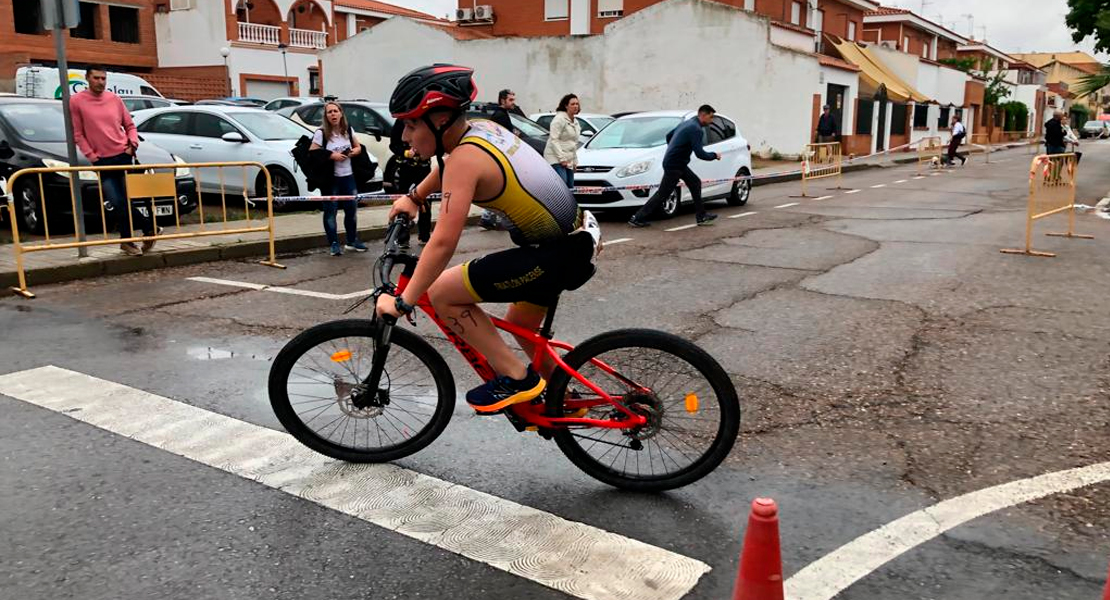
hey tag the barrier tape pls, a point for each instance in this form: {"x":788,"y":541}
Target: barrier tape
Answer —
{"x":583,"y":190}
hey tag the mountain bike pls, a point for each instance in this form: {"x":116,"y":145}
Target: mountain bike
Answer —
{"x":637,"y":409}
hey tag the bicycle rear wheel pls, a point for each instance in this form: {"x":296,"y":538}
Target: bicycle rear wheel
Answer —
{"x":317,"y":375}
{"x":692,"y":407}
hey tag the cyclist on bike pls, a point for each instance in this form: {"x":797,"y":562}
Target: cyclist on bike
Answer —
{"x":494,"y":169}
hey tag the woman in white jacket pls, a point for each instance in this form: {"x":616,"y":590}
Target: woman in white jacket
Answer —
{"x":562,"y":144}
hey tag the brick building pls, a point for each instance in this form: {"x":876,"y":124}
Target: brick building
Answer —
{"x":119,"y":34}
{"x":905,"y":31}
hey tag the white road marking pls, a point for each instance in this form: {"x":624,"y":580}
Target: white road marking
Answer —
{"x":900,"y":181}
{"x":681,"y":227}
{"x":826,"y":577}
{"x":747,"y":214}
{"x":920,"y":177}
{"x":787,"y":205}
{"x":574,"y":558}
{"x":881,"y":185}
{"x":822,"y":198}
{"x":280,"y":289}
{"x":616,"y":241}
{"x":853,"y":191}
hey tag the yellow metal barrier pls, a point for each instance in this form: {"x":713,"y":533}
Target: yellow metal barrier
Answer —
{"x":820,"y":161}
{"x":1051,"y":191}
{"x":929,"y":149}
{"x":148,"y":188}
{"x":982,"y":140}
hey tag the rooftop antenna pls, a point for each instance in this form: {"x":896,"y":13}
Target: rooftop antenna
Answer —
{"x":924,"y":4}
{"x":983,"y":28}
{"x":970,"y":25}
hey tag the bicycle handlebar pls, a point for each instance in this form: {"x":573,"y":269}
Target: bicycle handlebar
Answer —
{"x":396,"y":237}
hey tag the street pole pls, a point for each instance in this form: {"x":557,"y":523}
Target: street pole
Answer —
{"x":71,"y":146}
{"x":285,"y":68}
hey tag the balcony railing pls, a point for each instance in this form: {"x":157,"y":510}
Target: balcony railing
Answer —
{"x":305,"y":38}
{"x":259,"y":34}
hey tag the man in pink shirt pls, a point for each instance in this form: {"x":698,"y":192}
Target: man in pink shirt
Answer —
{"x":105,"y":134}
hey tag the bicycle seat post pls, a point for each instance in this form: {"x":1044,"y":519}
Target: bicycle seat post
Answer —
{"x":549,"y":320}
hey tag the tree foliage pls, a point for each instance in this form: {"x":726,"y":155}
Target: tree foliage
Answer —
{"x":1090,"y":18}
{"x":996,"y":89}
{"x":1017,"y":115}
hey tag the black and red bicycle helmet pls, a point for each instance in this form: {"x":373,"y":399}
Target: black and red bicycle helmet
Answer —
{"x":434,"y":87}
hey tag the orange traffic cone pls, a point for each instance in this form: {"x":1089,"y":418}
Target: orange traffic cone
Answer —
{"x":760,"y":575}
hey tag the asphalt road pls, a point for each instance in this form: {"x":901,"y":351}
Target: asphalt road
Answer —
{"x":888,"y":358}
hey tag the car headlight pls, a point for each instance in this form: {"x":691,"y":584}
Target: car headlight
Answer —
{"x":57,"y":164}
{"x":183,"y":171}
{"x":636,"y":168}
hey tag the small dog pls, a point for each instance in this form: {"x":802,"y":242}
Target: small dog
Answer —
{"x":936,"y":163}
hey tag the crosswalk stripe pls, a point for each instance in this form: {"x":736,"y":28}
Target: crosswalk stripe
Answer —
{"x":574,"y":558}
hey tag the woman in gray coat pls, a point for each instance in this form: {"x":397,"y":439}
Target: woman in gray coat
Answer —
{"x":562,"y":145}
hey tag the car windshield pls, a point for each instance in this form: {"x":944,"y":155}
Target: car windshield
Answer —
{"x":269,"y":126}
{"x":600,"y":122}
{"x":1094,"y":124}
{"x":384,"y":114}
{"x":526,"y":126}
{"x":38,"y":122}
{"x":644,"y":132}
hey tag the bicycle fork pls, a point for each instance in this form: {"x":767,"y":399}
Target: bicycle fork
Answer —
{"x":372,"y":394}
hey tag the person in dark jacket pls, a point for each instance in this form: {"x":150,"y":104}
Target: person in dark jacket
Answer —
{"x":687,"y":138}
{"x":827,"y":127}
{"x":506,"y":103}
{"x":403,"y":172}
{"x":1054,"y":136}
{"x":336,"y":137}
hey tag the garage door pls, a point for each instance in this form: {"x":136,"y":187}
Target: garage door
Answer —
{"x":267,"y":90}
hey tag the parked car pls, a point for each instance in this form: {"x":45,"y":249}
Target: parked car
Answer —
{"x":591,"y":122}
{"x":134,"y":103}
{"x":1099,"y":129}
{"x":32,"y":134}
{"x":290,"y":101}
{"x":629,"y":152}
{"x":230,"y":133}
{"x":370,"y":120}
{"x":244,"y":102}
{"x":530,"y":131}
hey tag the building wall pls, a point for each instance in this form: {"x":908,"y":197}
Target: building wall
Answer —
{"x":191,"y":83}
{"x":266,"y":65}
{"x":117,"y":56}
{"x":343,"y":20}
{"x":189,"y":38}
{"x":767,"y":89}
{"x":526,"y":18}
{"x":837,"y":17}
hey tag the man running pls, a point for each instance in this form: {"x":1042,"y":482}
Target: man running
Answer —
{"x":687,"y":138}
{"x":494,"y":169}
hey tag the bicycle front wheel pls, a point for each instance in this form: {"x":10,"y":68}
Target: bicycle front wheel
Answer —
{"x":317,"y":376}
{"x":691,"y":406}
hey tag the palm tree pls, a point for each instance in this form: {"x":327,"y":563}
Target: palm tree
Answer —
{"x":1089,"y":84}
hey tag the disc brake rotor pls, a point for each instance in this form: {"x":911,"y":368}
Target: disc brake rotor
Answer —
{"x":346,"y":392}
{"x":650,"y":407}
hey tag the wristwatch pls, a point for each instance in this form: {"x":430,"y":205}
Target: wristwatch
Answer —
{"x":402,"y":307}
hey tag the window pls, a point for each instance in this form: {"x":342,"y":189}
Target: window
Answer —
{"x":796,"y":13}
{"x":945,"y":114}
{"x":898,"y":115}
{"x":924,"y":52}
{"x":865,"y":108}
{"x":210,"y":126}
{"x":87,"y":28}
{"x":546,"y":121}
{"x":124,"y":22}
{"x":921,"y":116}
{"x":182,"y":4}
{"x":148,"y":91}
{"x":312,"y":114}
{"x":719,"y":130}
{"x":749,"y":4}
{"x":819,"y":20}
{"x":313,"y":82}
{"x":28,"y":17}
{"x":364,"y":120}
{"x":610,"y":8}
{"x":906,"y":44}
{"x":852,"y":30}
{"x":555,"y":10}
{"x":134,"y":104}
{"x":171,"y":122}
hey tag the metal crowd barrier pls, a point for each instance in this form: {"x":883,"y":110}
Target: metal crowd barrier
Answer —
{"x":151,"y":190}
{"x":820,"y":161}
{"x":1051,"y":191}
{"x":929,"y":149}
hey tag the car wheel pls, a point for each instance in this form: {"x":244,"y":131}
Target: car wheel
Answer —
{"x":281,"y":183}
{"x":29,"y":209}
{"x":741,"y":190}
{"x":671,"y":204}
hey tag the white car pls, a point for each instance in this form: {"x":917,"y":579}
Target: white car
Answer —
{"x":591,"y":123}
{"x":288,"y":101}
{"x":629,"y":152}
{"x":212,"y":133}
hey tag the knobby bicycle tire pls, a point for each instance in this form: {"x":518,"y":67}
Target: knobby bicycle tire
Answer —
{"x":706,"y":366}
{"x":400,"y":340}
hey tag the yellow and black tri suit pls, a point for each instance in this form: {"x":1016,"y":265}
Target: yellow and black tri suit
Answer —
{"x":542,"y":217}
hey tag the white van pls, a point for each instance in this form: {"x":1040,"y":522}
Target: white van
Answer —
{"x":42,"y":82}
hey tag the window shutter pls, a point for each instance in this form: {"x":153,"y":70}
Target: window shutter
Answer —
{"x":555,"y":9}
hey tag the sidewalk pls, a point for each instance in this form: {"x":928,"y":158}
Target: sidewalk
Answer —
{"x":294,"y":233}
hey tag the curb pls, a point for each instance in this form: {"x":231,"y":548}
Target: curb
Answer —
{"x":179,"y":258}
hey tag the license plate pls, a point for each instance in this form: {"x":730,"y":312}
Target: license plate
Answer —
{"x":163,"y":211}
